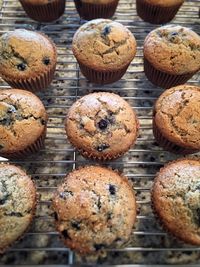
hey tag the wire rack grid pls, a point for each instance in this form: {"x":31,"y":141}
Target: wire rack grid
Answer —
{"x":150,"y":245}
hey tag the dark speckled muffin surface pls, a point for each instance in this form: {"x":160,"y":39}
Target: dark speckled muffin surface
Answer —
{"x":17,"y":204}
{"x":177,"y":119}
{"x":95,"y":209}
{"x":104,"y":45}
{"x":27,"y":59}
{"x":175,"y":197}
{"x":104,"y":49}
{"x":102,"y":125}
{"x":171,"y":55}
{"x":23,"y":121}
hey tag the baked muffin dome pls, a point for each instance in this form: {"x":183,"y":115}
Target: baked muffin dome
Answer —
{"x":17,"y":204}
{"x":102,"y":125}
{"x":104,"y":49}
{"x":176,"y":119}
{"x":94,"y":208}
{"x":171,"y":55}
{"x":175,"y":199}
{"x":27,"y":59}
{"x":23,"y":121}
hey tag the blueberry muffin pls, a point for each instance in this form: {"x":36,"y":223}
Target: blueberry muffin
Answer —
{"x":27,"y":59}
{"x":175,"y":199}
{"x":43,"y":10}
{"x":176,"y":119}
{"x":158,"y":11}
{"x":171,"y":55}
{"x":101,"y":126}
{"x":23,"y":122}
{"x":17,"y":204}
{"x":95,"y":208}
{"x":104,"y":49}
{"x":93,"y":9}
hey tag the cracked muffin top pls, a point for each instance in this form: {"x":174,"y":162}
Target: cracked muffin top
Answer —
{"x":103,"y":44}
{"x":25,"y":54}
{"x":17,"y":204}
{"x":22,"y":120}
{"x":95,"y":208}
{"x":101,"y":125}
{"x":173,"y":49}
{"x":177,"y":115}
{"x":175,"y":199}
{"x":164,"y":3}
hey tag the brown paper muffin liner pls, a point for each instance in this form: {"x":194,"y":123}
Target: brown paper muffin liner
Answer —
{"x":169,"y":146}
{"x":155,"y":14}
{"x":44,"y":13}
{"x":31,"y":149}
{"x":163,"y":79}
{"x":90,"y":11}
{"x":39,"y":83}
{"x":102,"y":77}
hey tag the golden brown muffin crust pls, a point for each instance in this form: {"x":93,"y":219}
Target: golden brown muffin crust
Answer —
{"x":175,"y":199}
{"x":102,"y":124}
{"x":25,"y":54}
{"x":95,"y":208}
{"x":17,"y":204}
{"x":177,"y":115}
{"x":104,"y":45}
{"x":22,"y":120}
{"x":173,"y":49}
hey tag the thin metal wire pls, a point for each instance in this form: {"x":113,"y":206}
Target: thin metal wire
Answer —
{"x":139,"y":165}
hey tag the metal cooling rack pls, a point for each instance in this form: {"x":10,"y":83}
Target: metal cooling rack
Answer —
{"x":150,"y":245}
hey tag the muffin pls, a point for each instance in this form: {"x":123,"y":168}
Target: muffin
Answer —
{"x":171,"y":55}
{"x":101,"y":126}
{"x":104,"y":49}
{"x":95,"y":208}
{"x":175,"y":199}
{"x":23,"y":122}
{"x":43,"y":10}
{"x":176,"y":119}
{"x":17,"y":204}
{"x":27,"y":59}
{"x":158,"y":11}
{"x":93,"y":9}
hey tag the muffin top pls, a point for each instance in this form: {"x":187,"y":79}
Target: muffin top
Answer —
{"x":175,"y":197}
{"x":104,"y":45}
{"x":25,"y":54}
{"x":164,"y":3}
{"x":17,"y":204}
{"x":177,"y":115}
{"x":95,"y":208}
{"x":22,"y":120}
{"x":101,"y":124}
{"x":173,"y":49}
